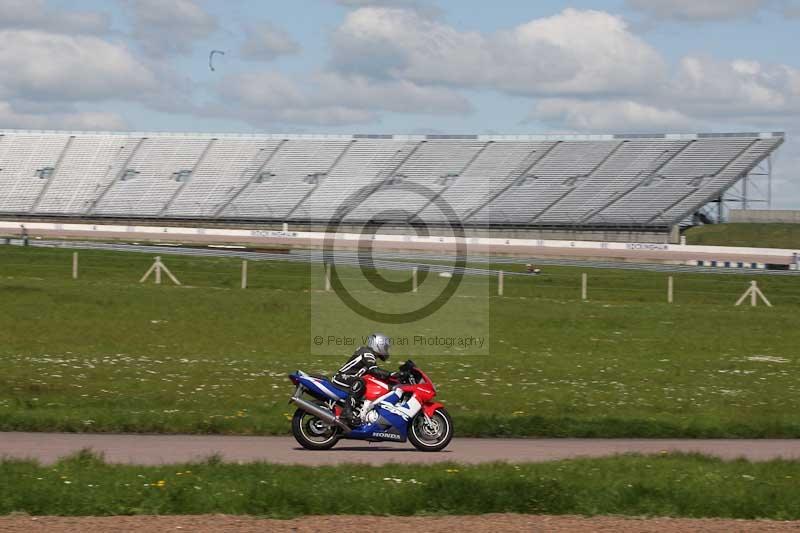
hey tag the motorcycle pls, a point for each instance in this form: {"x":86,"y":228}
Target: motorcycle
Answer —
{"x":402,"y":409}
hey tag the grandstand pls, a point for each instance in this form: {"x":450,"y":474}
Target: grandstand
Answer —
{"x":643,"y":183}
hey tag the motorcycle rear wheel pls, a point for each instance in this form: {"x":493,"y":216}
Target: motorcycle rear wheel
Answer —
{"x":433,"y":435}
{"x":312,"y":433}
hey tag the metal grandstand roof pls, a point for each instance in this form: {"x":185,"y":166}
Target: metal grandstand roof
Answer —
{"x":410,"y":137}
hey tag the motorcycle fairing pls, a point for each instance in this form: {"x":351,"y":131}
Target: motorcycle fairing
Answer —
{"x":389,"y":426}
{"x":393,"y":419}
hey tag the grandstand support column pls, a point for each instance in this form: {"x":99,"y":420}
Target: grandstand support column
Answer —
{"x":670,"y":156}
{"x":769,"y":181}
{"x":121,"y":172}
{"x":756,"y":186}
{"x":319,"y":178}
{"x":523,"y":169}
{"x":586,"y":176}
{"x":675,"y":234}
{"x":744,"y":191}
{"x":694,"y":191}
{"x":52,"y":177}
{"x":184,"y":183}
{"x":221,"y":209}
{"x":391,"y":170}
{"x":447,"y":186}
{"x":727,"y":189}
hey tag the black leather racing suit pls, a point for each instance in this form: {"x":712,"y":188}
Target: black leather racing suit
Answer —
{"x":349,"y":376}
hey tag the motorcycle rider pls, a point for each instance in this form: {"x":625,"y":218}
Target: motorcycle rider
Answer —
{"x":362,"y":362}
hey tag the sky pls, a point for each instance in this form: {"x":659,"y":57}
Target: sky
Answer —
{"x":407,"y":66}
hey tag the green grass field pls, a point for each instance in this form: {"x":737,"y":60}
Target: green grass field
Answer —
{"x":680,"y":486}
{"x":104,"y":353}
{"x":743,"y":234}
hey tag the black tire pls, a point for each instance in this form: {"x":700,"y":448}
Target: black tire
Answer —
{"x":426,"y":440}
{"x":304,"y":432}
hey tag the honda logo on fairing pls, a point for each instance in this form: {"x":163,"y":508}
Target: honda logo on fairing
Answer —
{"x":386,"y":435}
{"x":395,"y":410}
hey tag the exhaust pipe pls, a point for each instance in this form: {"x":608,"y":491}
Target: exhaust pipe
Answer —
{"x":320,"y":413}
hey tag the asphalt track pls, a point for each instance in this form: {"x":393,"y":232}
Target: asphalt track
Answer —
{"x":400,"y":260}
{"x":642,"y":255}
{"x":163,"y":449}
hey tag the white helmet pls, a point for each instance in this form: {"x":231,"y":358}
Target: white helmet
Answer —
{"x":379,"y":344}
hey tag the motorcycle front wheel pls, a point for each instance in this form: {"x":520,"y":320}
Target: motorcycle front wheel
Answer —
{"x":431,"y":434}
{"x":312,"y":433}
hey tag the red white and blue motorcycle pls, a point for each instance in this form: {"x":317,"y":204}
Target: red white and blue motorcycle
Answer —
{"x":394,"y":411}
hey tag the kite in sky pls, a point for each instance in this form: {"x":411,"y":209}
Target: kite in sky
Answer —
{"x":211,"y":58}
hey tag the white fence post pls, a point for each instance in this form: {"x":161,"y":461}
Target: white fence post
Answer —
{"x":583,"y":286}
{"x":244,"y":274}
{"x":327,"y":277}
{"x":157,"y":267}
{"x":74,"y":265}
{"x":669,"y":289}
{"x":414,"y":279}
{"x":754,"y":292}
{"x":500,"y":283}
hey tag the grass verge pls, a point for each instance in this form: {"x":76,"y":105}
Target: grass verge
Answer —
{"x":666,"y":485}
{"x":773,"y":235}
{"x":104,"y":353}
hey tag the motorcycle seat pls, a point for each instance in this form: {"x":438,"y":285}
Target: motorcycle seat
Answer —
{"x":338,"y":387}
{"x":329,"y":381}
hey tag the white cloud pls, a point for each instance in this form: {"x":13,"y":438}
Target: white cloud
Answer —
{"x":574,"y":52}
{"x":36,"y":14}
{"x":423,"y":6}
{"x":700,"y":10}
{"x":792,"y":10}
{"x":712,"y":10}
{"x":735,"y":89}
{"x":47,"y":66}
{"x":609,"y":58}
{"x":68,"y":120}
{"x":330,"y":98}
{"x":271,"y":97}
{"x":168,"y":27}
{"x":400,"y":96}
{"x":385,"y":3}
{"x":615,"y":116}
{"x":702,"y":93}
{"x":265,"y":42}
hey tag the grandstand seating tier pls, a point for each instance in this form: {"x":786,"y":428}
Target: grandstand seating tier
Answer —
{"x":574,"y":181}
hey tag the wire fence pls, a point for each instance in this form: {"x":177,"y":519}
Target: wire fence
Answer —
{"x":298,"y":271}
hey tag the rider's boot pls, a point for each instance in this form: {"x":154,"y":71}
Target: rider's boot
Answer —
{"x":347,"y":413}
